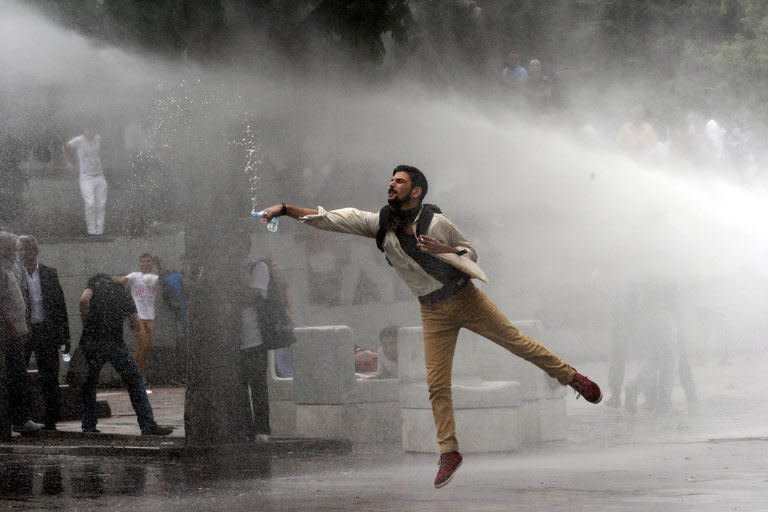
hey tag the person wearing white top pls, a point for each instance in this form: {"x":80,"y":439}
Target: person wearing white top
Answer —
{"x":253,"y":354}
{"x":93,"y":185}
{"x":143,"y":286}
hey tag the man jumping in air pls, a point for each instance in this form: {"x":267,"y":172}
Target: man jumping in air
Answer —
{"x":438,"y":264}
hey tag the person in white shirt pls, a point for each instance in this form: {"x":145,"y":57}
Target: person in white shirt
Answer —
{"x":143,"y":286}
{"x":93,"y":186}
{"x":253,"y":354}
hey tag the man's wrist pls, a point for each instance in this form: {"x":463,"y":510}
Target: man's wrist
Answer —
{"x":461,"y":252}
{"x":284,"y":210}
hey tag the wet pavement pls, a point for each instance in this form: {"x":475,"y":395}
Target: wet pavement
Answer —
{"x":710,"y":458}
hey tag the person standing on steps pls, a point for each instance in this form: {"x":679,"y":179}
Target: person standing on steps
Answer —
{"x":104,"y":306}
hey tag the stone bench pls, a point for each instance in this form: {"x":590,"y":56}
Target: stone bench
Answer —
{"x":487,"y":413}
{"x":325,"y":398}
{"x":282,"y":408}
{"x":543,"y":405}
{"x":500,"y":401}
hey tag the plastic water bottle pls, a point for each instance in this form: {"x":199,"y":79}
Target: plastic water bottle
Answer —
{"x":272,"y":225}
{"x":65,"y":355}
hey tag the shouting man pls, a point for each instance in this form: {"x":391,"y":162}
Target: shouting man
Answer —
{"x":438,"y":264}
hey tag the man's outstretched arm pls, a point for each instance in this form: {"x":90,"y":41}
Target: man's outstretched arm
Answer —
{"x":290,"y":210}
{"x":345,"y":220}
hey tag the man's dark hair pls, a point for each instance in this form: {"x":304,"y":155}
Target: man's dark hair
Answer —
{"x":417,"y":178}
{"x":96,"y":280}
{"x":145,"y":255}
{"x":106,"y":310}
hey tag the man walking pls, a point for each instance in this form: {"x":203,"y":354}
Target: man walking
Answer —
{"x":49,"y":325}
{"x":438,"y":263}
{"x":93,"y":185}
{"x":104,"y":305}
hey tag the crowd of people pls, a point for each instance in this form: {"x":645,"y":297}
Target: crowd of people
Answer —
{"x":707,"y":137}
{"x":34,"y":321}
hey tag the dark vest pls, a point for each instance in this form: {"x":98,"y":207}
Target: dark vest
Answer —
{"x":452,"y":278}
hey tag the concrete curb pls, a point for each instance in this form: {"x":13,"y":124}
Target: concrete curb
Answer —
{"x":111,"y":445}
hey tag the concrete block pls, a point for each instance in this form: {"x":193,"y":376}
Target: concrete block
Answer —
{"x":553,"y":421}
{"x":543,"y":420}
{"x":282,"y":418}
{"x":383,"y":390}
{"x":324,"y":365}
{"x":360,"y":423}
{"x":280,"y":389}
{"x":474,"y":394}
{"x":478,"y":431}
{"x":529,"y":422}
{"x":325,"y":421}
{"x":410,"y":347}
{"x":368,"y":423}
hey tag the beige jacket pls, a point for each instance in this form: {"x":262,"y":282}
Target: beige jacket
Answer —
{"x":13,"y":309}
{"x":363,"y":223}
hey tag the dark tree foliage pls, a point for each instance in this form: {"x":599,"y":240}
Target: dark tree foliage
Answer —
{"x":205,"y":28}
{"x":692,"y":48}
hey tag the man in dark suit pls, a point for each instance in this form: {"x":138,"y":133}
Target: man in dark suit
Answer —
{"x":50,"y":326}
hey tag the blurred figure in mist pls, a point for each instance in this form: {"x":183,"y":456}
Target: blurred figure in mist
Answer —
{"x":253,"y":353}
{"x":637,"y":135}
{"x":388,"y":356}
{"x":715,"y":136}
{"x":651,"y":328}
{"x":284,"y":355}
{"x":513,"y":78}
{"x":691,"y":142}
{"x":741,"y":149}
{"x":84,"y":154}
{"x":541,"y":91}
{"x":173,"y":295}
{"x":145,"y":192}
{"x":383,"y":363}
{"x":12,"y":178}
{"x":325,"y":262}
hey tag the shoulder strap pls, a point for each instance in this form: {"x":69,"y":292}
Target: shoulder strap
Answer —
{"x":384,"y":215}
{"x":425,"y":219}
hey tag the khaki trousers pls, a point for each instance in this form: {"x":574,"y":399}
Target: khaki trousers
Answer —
{"x":144,"y":338}
{"x":472,"y":309}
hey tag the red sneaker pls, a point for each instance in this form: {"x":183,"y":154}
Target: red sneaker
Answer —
{"x":586,"y":388}
{"x":449,"y":463}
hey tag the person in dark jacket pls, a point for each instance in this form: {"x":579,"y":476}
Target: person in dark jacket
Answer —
{"x":104,"y":306}
{"x":49,"y":326}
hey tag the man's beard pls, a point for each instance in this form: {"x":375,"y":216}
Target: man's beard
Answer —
{"x":395,"y":202}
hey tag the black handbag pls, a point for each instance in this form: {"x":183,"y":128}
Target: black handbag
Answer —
{"x":275,"y":325}
{"x":77,"y":372}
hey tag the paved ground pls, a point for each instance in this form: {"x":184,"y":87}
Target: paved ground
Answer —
{"x":712,"y":458}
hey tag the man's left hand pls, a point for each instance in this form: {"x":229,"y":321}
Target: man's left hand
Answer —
{"x":432,"y":245}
